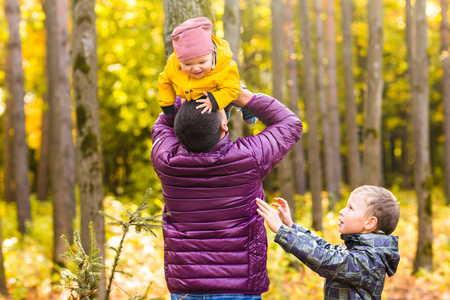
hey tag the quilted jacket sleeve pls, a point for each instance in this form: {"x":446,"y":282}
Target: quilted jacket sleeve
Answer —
{"x":334,"y":262}
{"x":163,"y":134}
{"x":283,"y":130}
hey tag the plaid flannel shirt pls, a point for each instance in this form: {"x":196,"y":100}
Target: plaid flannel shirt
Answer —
{"x":354,"y":271}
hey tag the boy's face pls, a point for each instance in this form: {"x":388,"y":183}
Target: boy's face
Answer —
{"x":353,"y":218}
{"x":197,"y":67}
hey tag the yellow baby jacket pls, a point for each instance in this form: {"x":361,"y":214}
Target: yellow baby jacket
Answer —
{"x":222,"y":83}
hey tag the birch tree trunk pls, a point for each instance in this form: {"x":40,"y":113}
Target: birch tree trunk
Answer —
{"x":315,"y":176}
{"x":423,"y":179}
{"x":89,"y":153}
{"x":285,"y":172}
{"x":372,"y":115}
{"x":62,"y":150}
{"x":232,"y":33}
{"x":445,"y":57}
{"x":333,"y":110}
{"x":293,"y":79}
{"x":178,"y":11}
{"x":350,"y":104}
{"x":17,"y":93}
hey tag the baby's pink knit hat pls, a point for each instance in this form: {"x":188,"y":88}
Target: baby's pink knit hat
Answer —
{"x":192,"y":38}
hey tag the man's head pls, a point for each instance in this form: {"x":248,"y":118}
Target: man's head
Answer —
{"x":196,"y":131}
{"x":370,"y":209}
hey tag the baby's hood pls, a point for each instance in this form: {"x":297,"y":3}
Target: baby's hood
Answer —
{"x":224,"y":54}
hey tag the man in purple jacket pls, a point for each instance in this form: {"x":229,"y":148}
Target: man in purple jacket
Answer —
{"x":215,"y":243}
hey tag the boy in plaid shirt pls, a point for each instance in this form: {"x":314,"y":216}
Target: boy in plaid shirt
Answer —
{"x":358,"y":269}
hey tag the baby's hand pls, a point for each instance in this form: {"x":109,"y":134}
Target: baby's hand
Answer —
{"x":206,"y":104}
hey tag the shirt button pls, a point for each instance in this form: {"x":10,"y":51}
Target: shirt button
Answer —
{"x":186,"y":92}
{"x":191,"y":91}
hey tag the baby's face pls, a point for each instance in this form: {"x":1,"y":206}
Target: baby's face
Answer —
{"x":353,"y":217}
{"x":197,"y":67}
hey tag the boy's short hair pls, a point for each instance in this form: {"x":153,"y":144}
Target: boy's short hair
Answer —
{"x":196,"y":131}
{"x":381,"y":204}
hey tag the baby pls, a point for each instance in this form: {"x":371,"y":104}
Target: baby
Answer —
{"x":202,"y":69}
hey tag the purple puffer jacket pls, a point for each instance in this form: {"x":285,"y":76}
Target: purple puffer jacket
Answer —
{"x":214,"y":240}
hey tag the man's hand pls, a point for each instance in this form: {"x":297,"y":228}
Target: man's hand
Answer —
{"x":269,"y":214}
{"x":206,"y":104}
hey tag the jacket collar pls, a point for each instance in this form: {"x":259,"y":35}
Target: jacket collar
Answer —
{"x":224,"y":141}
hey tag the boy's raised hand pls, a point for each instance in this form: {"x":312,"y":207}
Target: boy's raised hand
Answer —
{"x":269,"y":214}
{"x":283,"y":211}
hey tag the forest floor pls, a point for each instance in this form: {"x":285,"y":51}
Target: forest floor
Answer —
{"x":28,"y":260}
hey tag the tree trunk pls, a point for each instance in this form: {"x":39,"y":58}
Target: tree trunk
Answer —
{"x":333,"y":109}
{"x":285,"y":172}
{"x":315,"y":176}
{"x":293,"y":79}
{"x":43,"y":164}
{"x":372,"y":115}
{"x":8,"y":154}
{"x":232,"y":33}
{"x":423,"y":179}
{"x":326,"y":133}
{"x":350,"y":104}
{"x":406,"y":145}
{"x":3,"y":289}
{"x":62,"y":151}
{"x":178,"y":11}
{"x":22,"y":190}
{"x":278,"y":70}
{"x":407,"y":139}
{"x":446,"y":91}
{"x":89,"y":154}
{"x":43,"y":172}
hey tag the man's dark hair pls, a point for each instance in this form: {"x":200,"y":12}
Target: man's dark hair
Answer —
{"x":196,"y":131}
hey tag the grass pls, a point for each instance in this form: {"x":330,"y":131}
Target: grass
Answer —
{"x":28,"y":259}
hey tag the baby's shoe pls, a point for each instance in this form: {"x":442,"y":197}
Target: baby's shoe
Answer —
{"x":248,"y":117}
